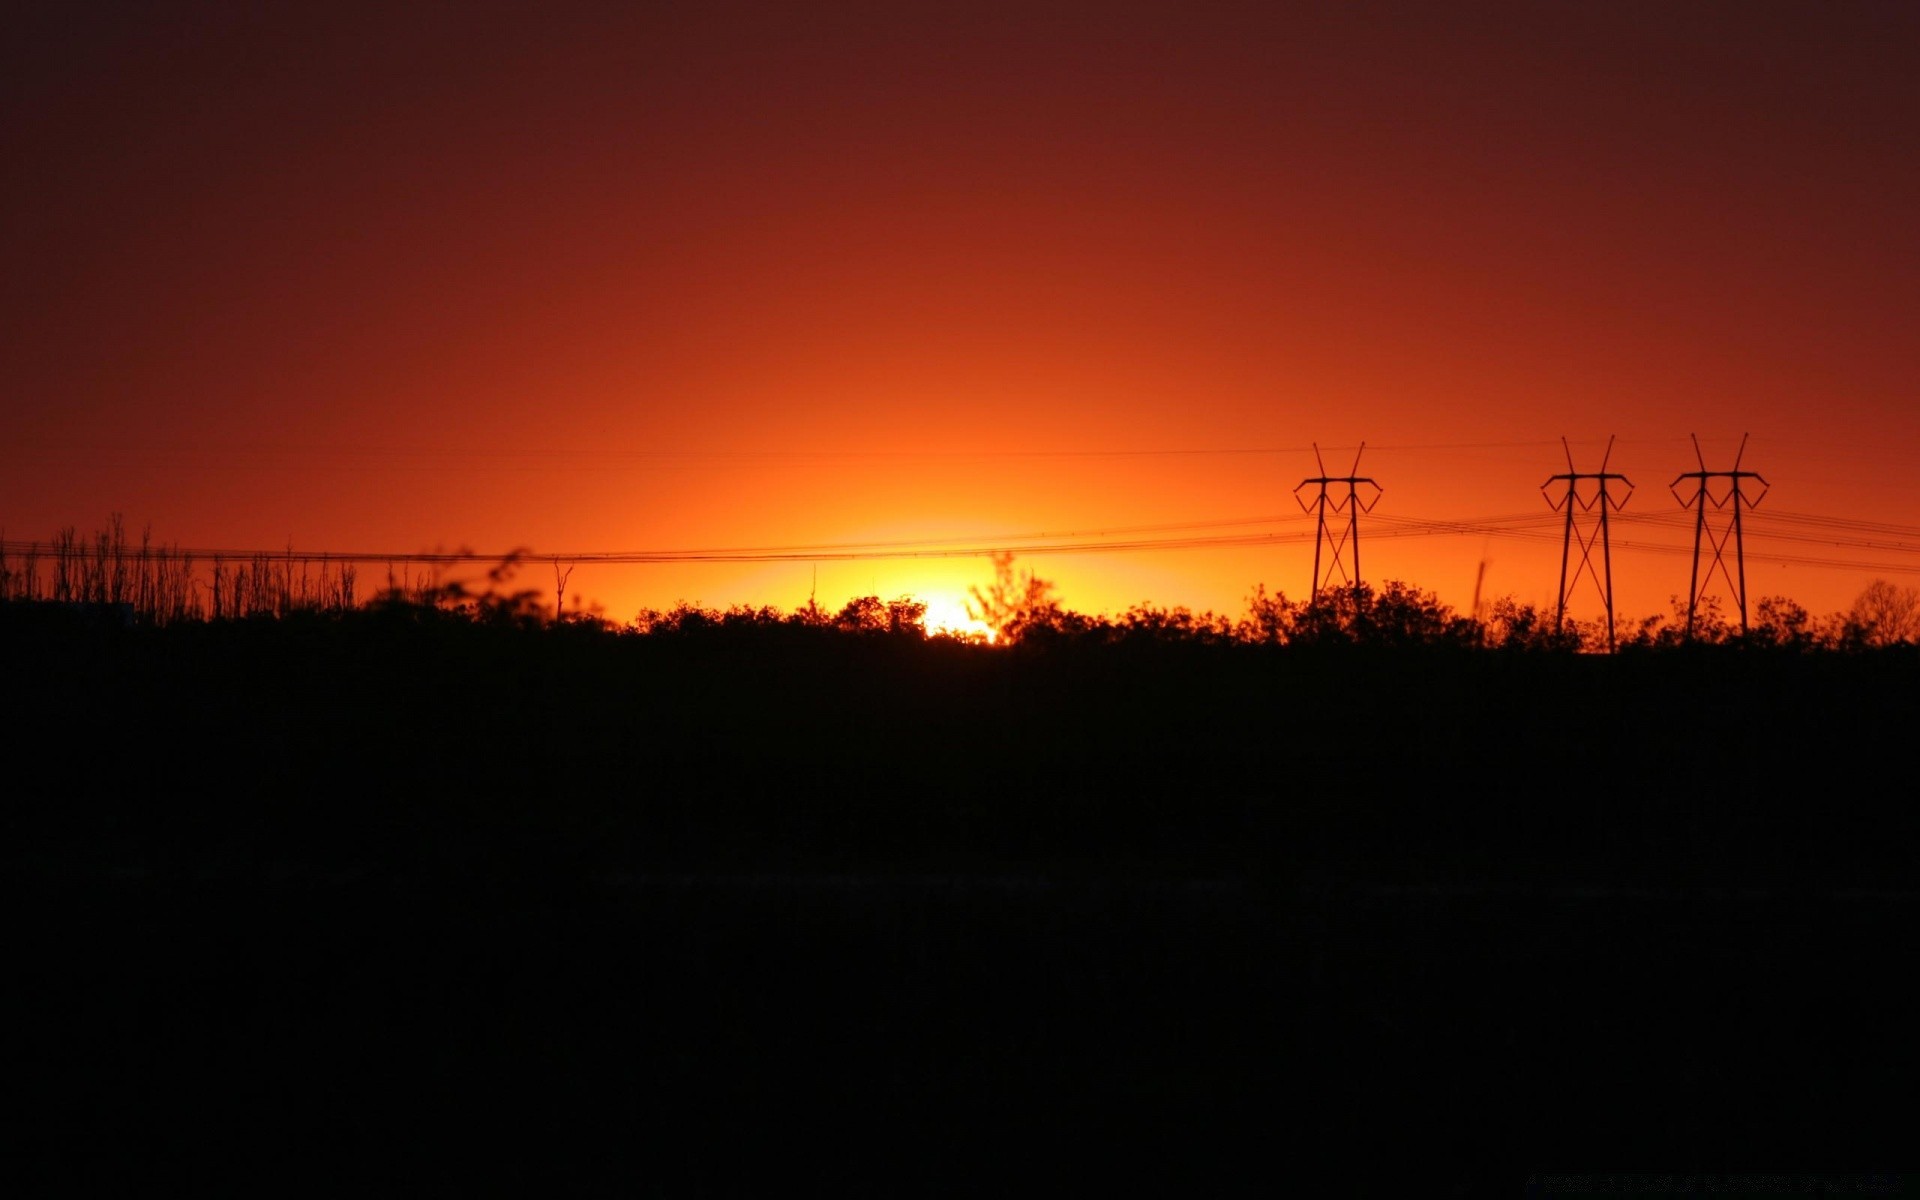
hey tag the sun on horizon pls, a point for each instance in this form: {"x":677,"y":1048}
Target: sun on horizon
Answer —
{"x":948,"y":615}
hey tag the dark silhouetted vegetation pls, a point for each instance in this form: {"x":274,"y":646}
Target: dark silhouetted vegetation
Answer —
{"x":1886,"y":614}
{"x":153,"y":584}
{"x":439,"y":876}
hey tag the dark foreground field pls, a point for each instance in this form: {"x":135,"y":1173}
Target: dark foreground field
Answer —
{"x":386,"y":906}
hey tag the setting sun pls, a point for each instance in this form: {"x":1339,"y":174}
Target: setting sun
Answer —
{"x":946,"y":615}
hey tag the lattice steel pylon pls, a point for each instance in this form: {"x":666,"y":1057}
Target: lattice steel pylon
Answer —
{"x":1733,"y":500}
{"x":1342,"y":544}
{"x":1602,"y":502}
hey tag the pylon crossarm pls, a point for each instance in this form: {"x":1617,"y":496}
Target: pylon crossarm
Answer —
{"x":1765,"y":487}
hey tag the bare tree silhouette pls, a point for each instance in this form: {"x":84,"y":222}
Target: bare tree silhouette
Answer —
{"x":1016,"y":602}
{"x":1887,"y":612}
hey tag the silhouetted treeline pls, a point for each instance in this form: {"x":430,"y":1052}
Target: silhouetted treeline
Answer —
{"x":755,"y":735}
{"x":436,"y":891}
{"x":110,"y":577}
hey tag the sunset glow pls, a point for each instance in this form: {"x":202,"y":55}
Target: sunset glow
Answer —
{"x":945,"y":615}
{"x":745,"y":597}
{"x":586,"y":279}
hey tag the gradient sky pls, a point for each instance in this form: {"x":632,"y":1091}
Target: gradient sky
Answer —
{"x":580,"y":277}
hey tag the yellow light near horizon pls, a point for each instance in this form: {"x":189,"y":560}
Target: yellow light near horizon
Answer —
{"x":948,"y":615}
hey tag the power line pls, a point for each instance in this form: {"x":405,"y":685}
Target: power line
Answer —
{"x":1763,"y":528}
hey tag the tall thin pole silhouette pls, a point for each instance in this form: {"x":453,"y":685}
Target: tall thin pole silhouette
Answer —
{"x":1732,"y":501}
{"x":1342,"y":544}
{"x":1601,"y":502}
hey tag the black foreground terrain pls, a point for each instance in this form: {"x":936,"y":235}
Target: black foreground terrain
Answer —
{"x":411,"y":907}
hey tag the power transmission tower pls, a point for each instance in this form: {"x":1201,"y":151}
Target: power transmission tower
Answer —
{"x":1343,"y":544}
{"x":1599,"y":501}
{"x":1731,"y":501}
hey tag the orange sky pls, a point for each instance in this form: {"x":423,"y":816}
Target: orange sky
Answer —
{"x":638,"y":277}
